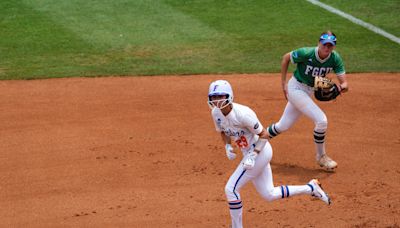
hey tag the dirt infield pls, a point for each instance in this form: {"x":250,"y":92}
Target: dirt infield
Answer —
{"x":143,"y":152}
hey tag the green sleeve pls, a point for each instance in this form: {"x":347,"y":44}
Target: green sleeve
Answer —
{"x":339,"y":66}
{"x":298,"y":55}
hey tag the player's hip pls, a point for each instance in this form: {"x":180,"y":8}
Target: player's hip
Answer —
{"x":263,"y":157}
{"x":294,"y":85}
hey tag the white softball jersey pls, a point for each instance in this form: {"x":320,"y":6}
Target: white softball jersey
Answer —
{"x":241,"y":124}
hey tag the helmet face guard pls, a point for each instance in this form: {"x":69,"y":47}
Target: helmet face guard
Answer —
{"x":220,"y":88}
{"x":220,"y":103}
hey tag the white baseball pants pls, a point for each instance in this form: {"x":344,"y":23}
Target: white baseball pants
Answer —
{"x":300,"y":102}
{"x":261,"y":177}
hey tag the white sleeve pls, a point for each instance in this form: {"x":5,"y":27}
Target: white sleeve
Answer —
{"x":251,"y":122}
{"x":291,"y":58}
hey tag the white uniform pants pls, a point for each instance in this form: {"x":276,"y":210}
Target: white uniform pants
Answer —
{"x":260,"y":175}
{"x":300,"y":102}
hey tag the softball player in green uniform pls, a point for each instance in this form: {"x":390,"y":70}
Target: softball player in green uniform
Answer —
{"x":311,"y":62}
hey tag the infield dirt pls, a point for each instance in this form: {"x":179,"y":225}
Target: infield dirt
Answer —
{"x":143,"y":152}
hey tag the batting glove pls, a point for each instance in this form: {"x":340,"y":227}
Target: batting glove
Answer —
{"x":229,"y":152}
{"x":250,"y":161}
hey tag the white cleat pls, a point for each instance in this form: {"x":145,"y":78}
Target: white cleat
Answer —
{"x":317,"y":191}
{"x":327,"y":162}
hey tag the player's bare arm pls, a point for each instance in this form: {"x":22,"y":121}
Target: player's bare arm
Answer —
{"x":343,"y":83}
{"x":284,"y":69}
{"x":262,"y":141}
{"x":226,"y":139}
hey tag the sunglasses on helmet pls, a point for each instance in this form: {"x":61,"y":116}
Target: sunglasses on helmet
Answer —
{"x":327,"y":38}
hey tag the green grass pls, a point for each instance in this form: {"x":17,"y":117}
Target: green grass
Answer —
{"x":50,"y":38}
{"x":383,"y":13}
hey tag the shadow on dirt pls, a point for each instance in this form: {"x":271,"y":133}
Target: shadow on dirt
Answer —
{"x":293,"y":170}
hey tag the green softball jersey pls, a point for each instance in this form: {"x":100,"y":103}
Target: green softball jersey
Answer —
{"x":310,"y":65}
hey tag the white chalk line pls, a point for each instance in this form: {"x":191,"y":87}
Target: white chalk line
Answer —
{"x":356,"y":21}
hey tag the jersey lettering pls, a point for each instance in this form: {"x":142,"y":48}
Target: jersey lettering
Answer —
{"x":241,"y":127}
{"x":308,"y":69}
{"x":315,"y":71}
{"x":229,"y":132}
{"x":318,"y":71}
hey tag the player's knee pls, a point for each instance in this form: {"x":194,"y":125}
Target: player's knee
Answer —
{"x":229,"y":192}
{"x":321,"y":125}
{"x":268,"y":196}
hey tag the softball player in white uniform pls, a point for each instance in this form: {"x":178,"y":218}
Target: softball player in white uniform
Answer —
{"x":239,"y":123}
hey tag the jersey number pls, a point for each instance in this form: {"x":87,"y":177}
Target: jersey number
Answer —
{"x":242,"y":142}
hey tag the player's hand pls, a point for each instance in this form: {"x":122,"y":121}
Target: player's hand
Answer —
{"x":343,"y":88}
{"x":229,"y":152}
{"x":250,"y":161}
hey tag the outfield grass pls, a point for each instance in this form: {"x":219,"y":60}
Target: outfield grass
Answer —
{"x":49,"y":38}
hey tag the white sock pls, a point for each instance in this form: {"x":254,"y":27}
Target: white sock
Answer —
{"x":320,"y":147}
{"x":236,"y":211}
{"x":319,"y":140}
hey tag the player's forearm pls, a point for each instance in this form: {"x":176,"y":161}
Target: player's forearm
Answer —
{"x":262,"y":141}
{"x":225,"y":139}
{"x":284,"y":67}
{"x":344,"y":87}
